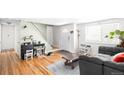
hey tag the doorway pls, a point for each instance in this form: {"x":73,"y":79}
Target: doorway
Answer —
{"x":7,"y":37}
{"x":66,"y":42}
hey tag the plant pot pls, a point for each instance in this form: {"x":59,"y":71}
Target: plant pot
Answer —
{"x":122,"y":44}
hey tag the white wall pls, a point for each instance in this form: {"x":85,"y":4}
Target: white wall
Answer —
{"x":31,"y":30}
{"x":49,"y":35}
{"x":58,"y":39}
{"x":122,"y":26}
{"x":56,"y":36}
{"x":0,"y":38}
{"x":17,"y":38}
{"x":81,"y":28}
{"x":75,"y":38}
{"x":21,"y":32}
{"x":43,"y":29}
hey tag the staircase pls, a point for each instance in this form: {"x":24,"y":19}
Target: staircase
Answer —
{"x":37,"y":29}
{"x":48,"y":46}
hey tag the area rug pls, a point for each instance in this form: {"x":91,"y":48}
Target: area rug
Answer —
{"x":59,"y":68}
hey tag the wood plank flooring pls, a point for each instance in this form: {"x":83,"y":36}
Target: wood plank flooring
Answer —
{"x":10,"y":64}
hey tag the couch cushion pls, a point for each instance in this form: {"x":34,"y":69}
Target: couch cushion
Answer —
{"x":110,"y":50}
{"x":117,"y":50}
{"x":105,"y":50}
{"x":104,"y":57}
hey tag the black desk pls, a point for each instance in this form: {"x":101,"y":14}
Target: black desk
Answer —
{"x":25,"y":47}
{"x":33,"y":47}
{"x":37,"y":47}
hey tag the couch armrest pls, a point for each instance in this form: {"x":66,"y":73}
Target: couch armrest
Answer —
{"x":91,"y":59}
{"x":90,"y":66}
{"x":114,"y":65}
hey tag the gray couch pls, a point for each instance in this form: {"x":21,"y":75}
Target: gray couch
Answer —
{"x":110,"y":50}
{"x":96,"y":66}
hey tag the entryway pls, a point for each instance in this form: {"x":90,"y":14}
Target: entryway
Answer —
{"x":7,"y":37}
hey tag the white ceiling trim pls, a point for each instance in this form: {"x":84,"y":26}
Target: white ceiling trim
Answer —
{"x":57,"y":21}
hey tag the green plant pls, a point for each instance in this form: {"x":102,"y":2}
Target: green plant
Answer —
{"x":116,"y":34}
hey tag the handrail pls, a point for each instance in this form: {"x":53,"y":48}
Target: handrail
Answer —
{"x":38,"y":30}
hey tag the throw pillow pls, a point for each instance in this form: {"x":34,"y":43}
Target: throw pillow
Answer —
{"x":118,"y":57}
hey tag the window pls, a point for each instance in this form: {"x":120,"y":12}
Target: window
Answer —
{"x":106,"y":29}
{"x":97,"y":33}
{"x":93,"y":33}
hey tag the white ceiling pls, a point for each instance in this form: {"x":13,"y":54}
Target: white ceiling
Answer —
{"x":53,"y":21}
{"x":56,"y":21}
{"x":59,"y":21}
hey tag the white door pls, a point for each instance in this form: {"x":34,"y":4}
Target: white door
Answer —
{"x":65,"y":42}
{"x":7,"y":37}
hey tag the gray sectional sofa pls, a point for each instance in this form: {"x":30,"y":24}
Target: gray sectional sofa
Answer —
{"x":110,"y":50}
{"x":97,"y":66}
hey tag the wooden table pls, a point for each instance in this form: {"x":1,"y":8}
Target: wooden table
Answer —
{"x":70,"y":62}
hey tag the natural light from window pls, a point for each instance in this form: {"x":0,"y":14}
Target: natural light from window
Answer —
{"x":93,"y":33}
{"x":97,"y":33}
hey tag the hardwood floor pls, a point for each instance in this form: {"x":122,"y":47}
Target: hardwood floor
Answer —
{"x":10,"y":64}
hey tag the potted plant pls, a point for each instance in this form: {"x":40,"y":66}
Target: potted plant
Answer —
{"x":117,"y":34}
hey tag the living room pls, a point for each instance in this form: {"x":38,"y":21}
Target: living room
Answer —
{"x":99,"y":42}
{"x":61,"y":46}
{"x":55,"y":46}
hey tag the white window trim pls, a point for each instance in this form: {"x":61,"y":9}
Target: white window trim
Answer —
{"x":91,"y":41}
{"x":101,"y":41}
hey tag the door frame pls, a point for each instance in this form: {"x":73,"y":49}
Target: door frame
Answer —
{"x":66,"y":43}
{"x":0,"y":38}
{"x":49,"y":35}
{"x":14,"y":34}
